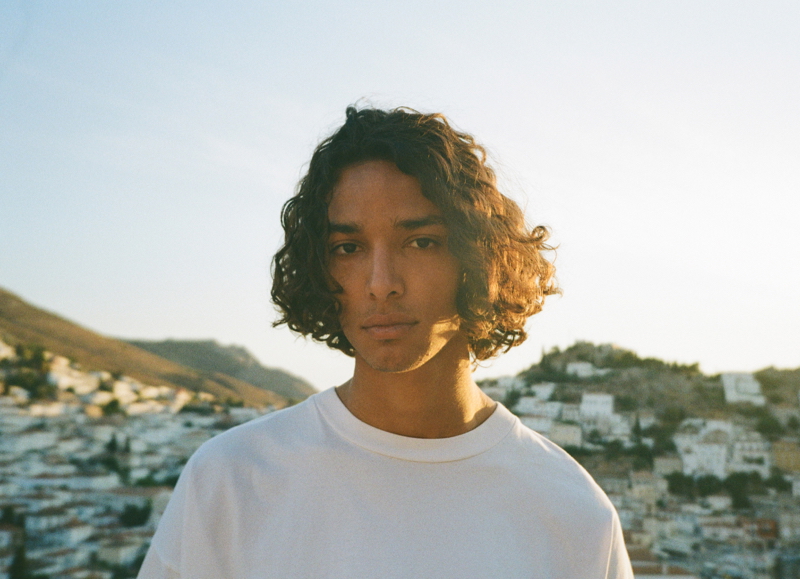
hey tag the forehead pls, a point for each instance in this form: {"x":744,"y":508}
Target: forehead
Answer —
{"x":377,"y":190}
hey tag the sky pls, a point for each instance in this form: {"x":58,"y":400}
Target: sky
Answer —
{"x":146,"y":149}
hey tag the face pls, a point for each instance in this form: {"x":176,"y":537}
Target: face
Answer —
{"x":388,"y":251}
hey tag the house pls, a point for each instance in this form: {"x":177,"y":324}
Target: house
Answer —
{"x":596,"y":405}
{"x":564,"y":434}
{"x":742,"y":387}
{"x":585,"y":370}
{"x":719,"y":448}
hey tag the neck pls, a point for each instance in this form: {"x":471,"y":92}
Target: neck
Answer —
{"x":439,"y":399}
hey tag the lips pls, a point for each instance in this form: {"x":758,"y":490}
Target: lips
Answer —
{"x":388,"y":326}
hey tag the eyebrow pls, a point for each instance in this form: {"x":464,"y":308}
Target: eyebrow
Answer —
{"x":408,"y":224}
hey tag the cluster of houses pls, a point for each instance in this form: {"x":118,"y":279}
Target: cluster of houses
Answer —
{"x":670,"y":536}
{"x":82,"y":487}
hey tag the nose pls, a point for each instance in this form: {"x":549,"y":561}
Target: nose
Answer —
{"x":385,"y":278}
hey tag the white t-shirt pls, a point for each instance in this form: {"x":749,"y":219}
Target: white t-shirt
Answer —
{"x":311,"y":491}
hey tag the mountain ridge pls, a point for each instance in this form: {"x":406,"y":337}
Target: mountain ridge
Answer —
{"x":232,"y":360}
{"x":29,"y":324}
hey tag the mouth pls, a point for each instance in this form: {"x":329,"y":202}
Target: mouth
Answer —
{"x":388,"y":327}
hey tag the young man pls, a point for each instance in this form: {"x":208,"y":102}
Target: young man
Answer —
{"x":400,"y":252}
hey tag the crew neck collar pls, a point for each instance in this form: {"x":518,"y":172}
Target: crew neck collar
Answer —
{"x":472,"y":443}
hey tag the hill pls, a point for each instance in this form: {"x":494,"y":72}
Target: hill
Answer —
{"x":21,"y":322}
{"x":235,"y":361}
{"x":650,"y":383}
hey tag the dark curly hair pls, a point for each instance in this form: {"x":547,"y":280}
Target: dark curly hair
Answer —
{"x":505,"y":275}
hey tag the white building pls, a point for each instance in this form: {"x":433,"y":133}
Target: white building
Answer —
{"x":742,"y":387}
{"x":543,"y":390}
{"x":566,"y":434}
{"x":534,"y":406}
{"x":63,"y":375}
{"x":540,"y":424}
{"x":750,"y":453}
{"x":719,"y":448}
{"x":31,"y":439}
{"x":595,"y":405}
{"x":6,"y":351}
{"x":585,"y":370}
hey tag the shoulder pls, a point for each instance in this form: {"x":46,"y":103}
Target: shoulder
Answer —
{"x":553,"y":475}
{"x":281,"y":432}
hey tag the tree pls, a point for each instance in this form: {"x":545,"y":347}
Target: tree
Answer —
{"x":769,"y":427}
{"x":112,"y":445}
{"x":614,"y":450}
{"x":511,"y":398}
{"x":113,"y":407}
{"x":708,"y":485}
{"x":636,"y":432}
{"x":738,"y":485}
{"x":19,"y":565}
{"x":680,"y":484}
{"x":133,"y":516}
{"x":777,"y":482}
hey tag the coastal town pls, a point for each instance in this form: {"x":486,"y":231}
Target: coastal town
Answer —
{"x":88,"y":460}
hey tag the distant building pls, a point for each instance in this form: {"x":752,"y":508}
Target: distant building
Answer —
{"x":585,"y":370}
{"x":786,"y":455}
{"x":742,"y":387}
{"x":595,"y":405}
{"x":566,"y":434}
{"x":511,"y":382}
{"x":718,"y":447}
{"x":534,"y":406}
{"x":664,"y":465}
{"x":540,"y":424}
{"x":544,"y":390}
{"x":6,"y":351}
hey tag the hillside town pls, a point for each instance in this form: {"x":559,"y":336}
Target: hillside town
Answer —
{"x":88,"y":460}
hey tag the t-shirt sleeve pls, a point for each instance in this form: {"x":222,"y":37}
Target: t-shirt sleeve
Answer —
{"x":154,"y":568}
{"x":619,"y":564}
{"x":164,"y":555}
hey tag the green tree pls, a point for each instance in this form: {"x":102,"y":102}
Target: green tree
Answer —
{"x":738,"y":486}
{"x":113,"y":407}
{"x":680,"y":484}
{"x":112,"y":445}
{"x":133,"y":516}
{"x":511,"y":398}
{"x":777,"y":482}
{"x":19,"y":565}
{"x":708,"y":485}
{"x":769,"y":427}
{"x":642,"y":456}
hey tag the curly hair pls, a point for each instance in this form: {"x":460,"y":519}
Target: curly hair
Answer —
{"x":505,"y":274}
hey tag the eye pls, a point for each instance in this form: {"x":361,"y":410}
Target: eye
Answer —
{"x":424,"y":243}
{"x":344,"y":248}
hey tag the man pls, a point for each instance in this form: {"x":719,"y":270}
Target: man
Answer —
{"x":400,"y":252}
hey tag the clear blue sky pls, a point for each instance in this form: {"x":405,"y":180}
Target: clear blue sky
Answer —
{"x":146,"y":149}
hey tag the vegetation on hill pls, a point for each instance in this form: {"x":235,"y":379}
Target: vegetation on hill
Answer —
{"x":22,"y":323}
{"x":672,"y":391}
{"x":235,"y":361}
{"x":637,"y":383}
{"x":28,"y":371}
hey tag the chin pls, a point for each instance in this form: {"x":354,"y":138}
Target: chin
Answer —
{"x":391,"y":364}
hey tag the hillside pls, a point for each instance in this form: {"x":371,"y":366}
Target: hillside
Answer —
{"x":650,"y":383}
{"x":235,"y":361}
{"x":21,"y":322}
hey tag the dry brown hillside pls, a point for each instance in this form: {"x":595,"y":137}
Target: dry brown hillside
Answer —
{"x":22,"y":322}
